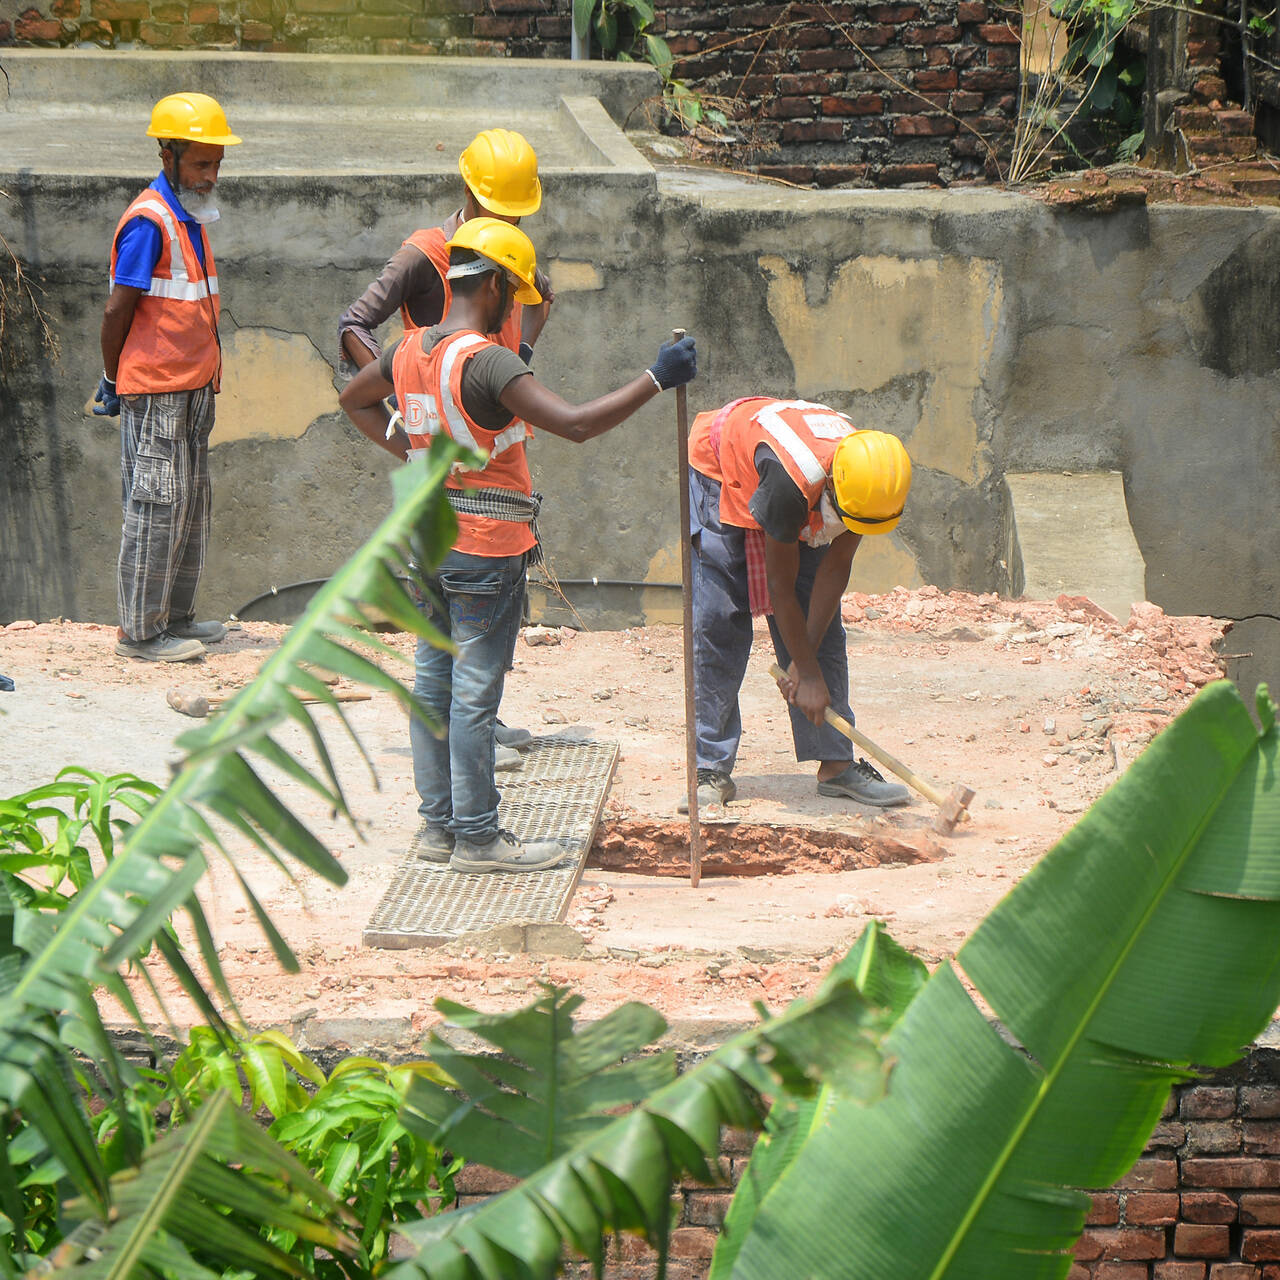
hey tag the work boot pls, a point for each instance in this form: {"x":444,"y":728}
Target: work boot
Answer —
{"x":865,"y":784}
{"x":166,"y":647}
{"x":505,"y":853}
{"x":205,"y":632}
{"x":505,"y":758}
{"x":432,"y":844}
{"x":714,"y":787}
{"x":516,"y":739}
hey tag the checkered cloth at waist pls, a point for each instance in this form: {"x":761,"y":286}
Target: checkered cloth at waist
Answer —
{"x":501,"y":504}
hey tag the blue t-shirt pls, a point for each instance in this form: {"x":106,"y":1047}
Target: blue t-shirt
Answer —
{"x":138,"y":246}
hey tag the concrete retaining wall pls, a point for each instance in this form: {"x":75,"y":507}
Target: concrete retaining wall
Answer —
{"x":990,"y":332}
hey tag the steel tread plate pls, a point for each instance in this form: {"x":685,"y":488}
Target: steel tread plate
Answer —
{"x":558,"y":793}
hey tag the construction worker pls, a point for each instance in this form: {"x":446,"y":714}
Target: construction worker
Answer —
{"x":500,"y":170}
{"x":456,"y":378}
{"x":161,"y":366}
{"x":781,"y":492}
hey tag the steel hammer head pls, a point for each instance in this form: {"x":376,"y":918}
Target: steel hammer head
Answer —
{"x":954,"y":808}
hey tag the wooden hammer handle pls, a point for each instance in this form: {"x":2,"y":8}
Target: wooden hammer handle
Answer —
{"x":839,"y":723}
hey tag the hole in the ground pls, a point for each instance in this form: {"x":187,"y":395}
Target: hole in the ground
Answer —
{"x":752,"y":849}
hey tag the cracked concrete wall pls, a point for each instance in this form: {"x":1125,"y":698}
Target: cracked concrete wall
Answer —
{"x":989,"y":332}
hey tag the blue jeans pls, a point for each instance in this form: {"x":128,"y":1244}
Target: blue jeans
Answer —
{"x":722,"y":635}
{"x":476,"y":601}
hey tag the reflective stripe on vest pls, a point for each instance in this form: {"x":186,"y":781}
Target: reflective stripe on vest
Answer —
{"x":172,"y":342}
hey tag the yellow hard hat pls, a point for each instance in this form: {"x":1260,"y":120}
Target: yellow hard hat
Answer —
{"x":871,"y":476}
{"x":192,"y":117}
{"x":503,"y":244}
{"x":501,"y":170}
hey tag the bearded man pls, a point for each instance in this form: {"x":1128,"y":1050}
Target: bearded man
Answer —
{"x":161,"y":366}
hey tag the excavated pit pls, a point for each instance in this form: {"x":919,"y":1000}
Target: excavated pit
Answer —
{"x":649,"y":848}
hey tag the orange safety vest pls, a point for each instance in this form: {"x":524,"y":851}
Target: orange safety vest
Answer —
{"x":803,"y":436}
{"x":432,"y":241}
{"x":429,"y":388}
{"x":172,"y":343}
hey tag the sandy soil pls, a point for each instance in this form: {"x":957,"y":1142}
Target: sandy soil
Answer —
{"x":1036,"y":705}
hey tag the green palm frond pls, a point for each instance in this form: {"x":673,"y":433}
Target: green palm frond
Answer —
{"x":1144,"y":945}
{"x":616,"y":1173}
{"x":50,"y":964}
{"x":197,"y":1204}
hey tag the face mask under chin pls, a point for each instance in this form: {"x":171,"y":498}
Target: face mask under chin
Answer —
{"x":200,"y":206}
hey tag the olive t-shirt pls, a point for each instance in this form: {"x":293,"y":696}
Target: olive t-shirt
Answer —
{"x":484,"y":378}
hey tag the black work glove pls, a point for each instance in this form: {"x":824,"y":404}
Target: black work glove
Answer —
{"x":107,"y":398}
{"x":677,"y":363}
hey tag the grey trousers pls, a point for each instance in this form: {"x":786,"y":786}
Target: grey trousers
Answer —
{"x":164,"y":494}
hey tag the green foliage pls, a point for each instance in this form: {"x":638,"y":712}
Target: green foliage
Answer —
{"x":604,"y":1172}
{"x":55,"y":954}
{"x":1102,"y":1006}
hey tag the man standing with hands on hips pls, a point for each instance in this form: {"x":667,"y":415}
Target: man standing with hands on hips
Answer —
{"x":161,"y":366}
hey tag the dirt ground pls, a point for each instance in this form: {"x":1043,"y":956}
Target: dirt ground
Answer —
{"x":1036,"y":705}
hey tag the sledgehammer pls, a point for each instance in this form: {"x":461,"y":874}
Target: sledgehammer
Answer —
{"x":952,"y":808}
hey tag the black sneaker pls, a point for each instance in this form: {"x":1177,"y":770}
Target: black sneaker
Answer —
{"x":432,"y":844}
{"x":516,"y":739}
{"x":190,"y":629}
{"x":714,"y":787}
{"x":865,"y":784}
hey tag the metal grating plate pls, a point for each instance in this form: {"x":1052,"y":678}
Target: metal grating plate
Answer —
{"x":558,"y":794}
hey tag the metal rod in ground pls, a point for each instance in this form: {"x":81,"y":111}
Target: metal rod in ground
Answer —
{"x":686,"y":579}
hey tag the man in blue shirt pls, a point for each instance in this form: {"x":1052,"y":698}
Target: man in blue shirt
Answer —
{"x":161,"y":367}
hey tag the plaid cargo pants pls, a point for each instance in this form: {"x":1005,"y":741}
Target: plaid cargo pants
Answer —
{"x":164,"y":491}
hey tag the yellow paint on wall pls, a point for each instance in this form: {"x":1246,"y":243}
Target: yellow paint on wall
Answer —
{"x":882,"y":563}
{"x":883,"y":318}
{"x":663,"y":604}
{"x":274,"y":386}
{"x":574,"y":277}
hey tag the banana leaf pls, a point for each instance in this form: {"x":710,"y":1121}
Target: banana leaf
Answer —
{"x":617,"y":1175}
{"x":1144,"y":946}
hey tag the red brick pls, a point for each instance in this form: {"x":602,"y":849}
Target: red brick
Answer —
{"x":204,"y":13}
{"x":692,"y":1242}
{"x":894,"y":175}
{"x":1260,"y":1101}
{"x":1208,"y":1206}
{"x":827,"y":59}
{"x":500,"y":28}
{"x":1003,"y":55}
{"x":806,"y":84}
{"x":927,"y":81}
{"x":999,"y":33}
{"x":707,"y":1208}
{"x":971,"y":11}
{"x":1121,"y":1271}
{"x":31,"y":26}
{"x":813,"y":131}
{"x":862,"y":104}
{"x":1260,"y":1246}
{"x":1171,"y":1270}
{"x":930,"y":35}
{"x":962,"y":102}
{"x":894,"y":12}
{"x":1214,"y":1137}
{"x":1152,"y":1175}
{"x":1208,"y":1102}
{"x":1167,"y":1134}
{"x":1262,"y":1137}
{"x":1088,"y":1247}
{"x":737,"y":1142}
{"x":256,"y":32}
{"x":1238,"y":1172}
{"x":788,"y":107}
{"x":1260,"y":1209}
{"x":169,"y":12}
{"x":923,"y":126}
{"x":985,"y":80}
{"x":1105,"y":1211}
{"x":1121,"y":1244}
{"x":1151,"y":1208}
{"x":799,"y":174}
{"x":906,"y":103}
{"x":1197,"y":1240}
{"x":66,"y":8}
{"x":1232,"y":1271}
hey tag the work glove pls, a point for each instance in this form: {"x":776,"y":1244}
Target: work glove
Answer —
{"x":107,"y":398}
{"x":677,"y":363}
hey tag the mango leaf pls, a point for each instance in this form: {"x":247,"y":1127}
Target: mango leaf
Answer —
{"x":582,"y":11}
{"x":1144,"y":945}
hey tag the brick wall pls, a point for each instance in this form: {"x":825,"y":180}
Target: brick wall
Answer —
{"x":1203,"y":1202}
{"x":820,"y":94}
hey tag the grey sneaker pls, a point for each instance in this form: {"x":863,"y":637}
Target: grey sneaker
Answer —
{"x":432,"y":844}
{"x":865,"y":784}
{"x":205,"y":632}
{"x":165,"y":647}
{"x":516,"y":739}
{"x":505,"y":758}
{"x":714,"y":787}
{"x":505,"y":853}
